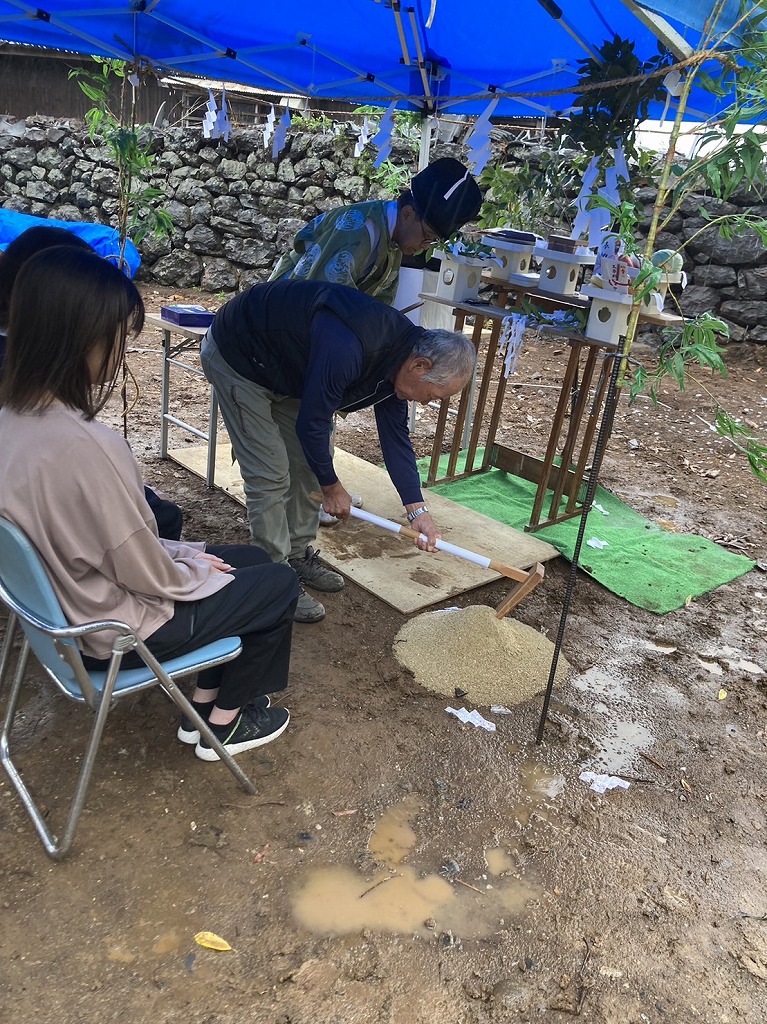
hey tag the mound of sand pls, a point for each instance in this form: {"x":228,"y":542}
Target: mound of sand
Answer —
{"x":496,"y":661}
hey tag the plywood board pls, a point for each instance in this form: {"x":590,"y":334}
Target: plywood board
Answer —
{"x":385,"y":564}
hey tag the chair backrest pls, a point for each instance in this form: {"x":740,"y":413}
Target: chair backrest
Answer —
{"x":26,"y":588}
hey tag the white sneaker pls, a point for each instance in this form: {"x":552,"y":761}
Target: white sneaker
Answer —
{"x":328,"y":520}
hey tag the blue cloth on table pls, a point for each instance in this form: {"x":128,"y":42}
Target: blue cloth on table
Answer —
{"x":102,"y":239}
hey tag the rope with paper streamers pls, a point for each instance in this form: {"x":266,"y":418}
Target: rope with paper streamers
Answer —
{"x":453,"y":100}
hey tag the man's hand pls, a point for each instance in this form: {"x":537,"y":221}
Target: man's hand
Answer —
{"x":336,"y":500}
{"x":424,"y":524}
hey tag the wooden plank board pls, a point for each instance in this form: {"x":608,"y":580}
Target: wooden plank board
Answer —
{"x":389,"y":566}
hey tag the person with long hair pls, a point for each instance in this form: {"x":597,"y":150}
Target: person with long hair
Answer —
{"x":170,"y":518}
{"x":72,"y":485}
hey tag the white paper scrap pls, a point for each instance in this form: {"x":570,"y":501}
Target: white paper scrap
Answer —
{"x":600,"y":509}
{"x":472,"y":718}
{"x":595,"y":542}
{"x":500,"y":709}
{"x":601,"y":783}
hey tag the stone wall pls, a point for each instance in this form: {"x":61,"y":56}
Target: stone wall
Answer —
{"x":235,"y":209}
{"x":726,"y":276}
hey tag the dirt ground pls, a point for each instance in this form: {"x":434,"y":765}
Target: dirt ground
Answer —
{"x":395,"y":865}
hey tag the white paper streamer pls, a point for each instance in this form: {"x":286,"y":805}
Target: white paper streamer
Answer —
{"x":673,"y":85}
{"x":223,"y":127}
{"x":583,"y":215}
{"x":215,"y":121}
{"x":599,"y":223}
{"x":280,"y":132}
{"x":595,"y":222}
{"x":511,"y":341}
{"x":209,"y":117}
{"x":382,"y":138}
{"x":478,"y":142}
{"x":363,"y":137}
{"x":621,"y":167}
{"x":269,"y":126}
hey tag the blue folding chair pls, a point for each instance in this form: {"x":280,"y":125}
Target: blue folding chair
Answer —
{"x":26,"y":590}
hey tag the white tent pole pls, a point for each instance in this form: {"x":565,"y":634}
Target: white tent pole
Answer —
{"x":661,"y":30}
{"x":427,"y":129}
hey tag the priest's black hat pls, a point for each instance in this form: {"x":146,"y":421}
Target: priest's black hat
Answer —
{"x":446,"y":196}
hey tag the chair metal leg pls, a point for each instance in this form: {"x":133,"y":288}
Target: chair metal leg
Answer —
{"x":26,"y":590}
{"x":169,"y":686}
{"x":185,"y":706}
{"x":5,"y":656}
{"x":54,"y":847}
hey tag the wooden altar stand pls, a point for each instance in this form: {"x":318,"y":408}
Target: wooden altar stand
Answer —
{"x":564,"y":477}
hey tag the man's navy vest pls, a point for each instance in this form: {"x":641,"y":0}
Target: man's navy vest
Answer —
{"x":264,"y":335}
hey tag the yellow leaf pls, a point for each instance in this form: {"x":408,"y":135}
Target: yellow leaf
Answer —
{"x":722,"y":695}
{"x":212,"y":941}
{"x":686,"y":786}
{"x":688,"y":601}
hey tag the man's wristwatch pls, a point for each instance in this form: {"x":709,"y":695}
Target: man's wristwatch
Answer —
{"x":412,"y":516}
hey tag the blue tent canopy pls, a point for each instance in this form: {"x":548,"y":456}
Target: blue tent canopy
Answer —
{"x":439,"y":55}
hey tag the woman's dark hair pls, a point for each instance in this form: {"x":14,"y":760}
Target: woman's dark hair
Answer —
{"x":24,"y":246}
{"x":66,"y":303}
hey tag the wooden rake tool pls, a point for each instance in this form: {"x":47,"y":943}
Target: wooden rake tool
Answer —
{"x":525,"y":581}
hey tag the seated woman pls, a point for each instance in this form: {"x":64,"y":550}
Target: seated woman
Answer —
{"x":74,"y":488}
{"x":169,"y":516}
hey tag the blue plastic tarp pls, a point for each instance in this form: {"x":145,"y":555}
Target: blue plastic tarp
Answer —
{"x":104,"y":240}
{"x":449,"y":55}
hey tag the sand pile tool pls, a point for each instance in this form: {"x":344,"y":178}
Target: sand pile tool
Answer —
{"x":525,"y":580}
